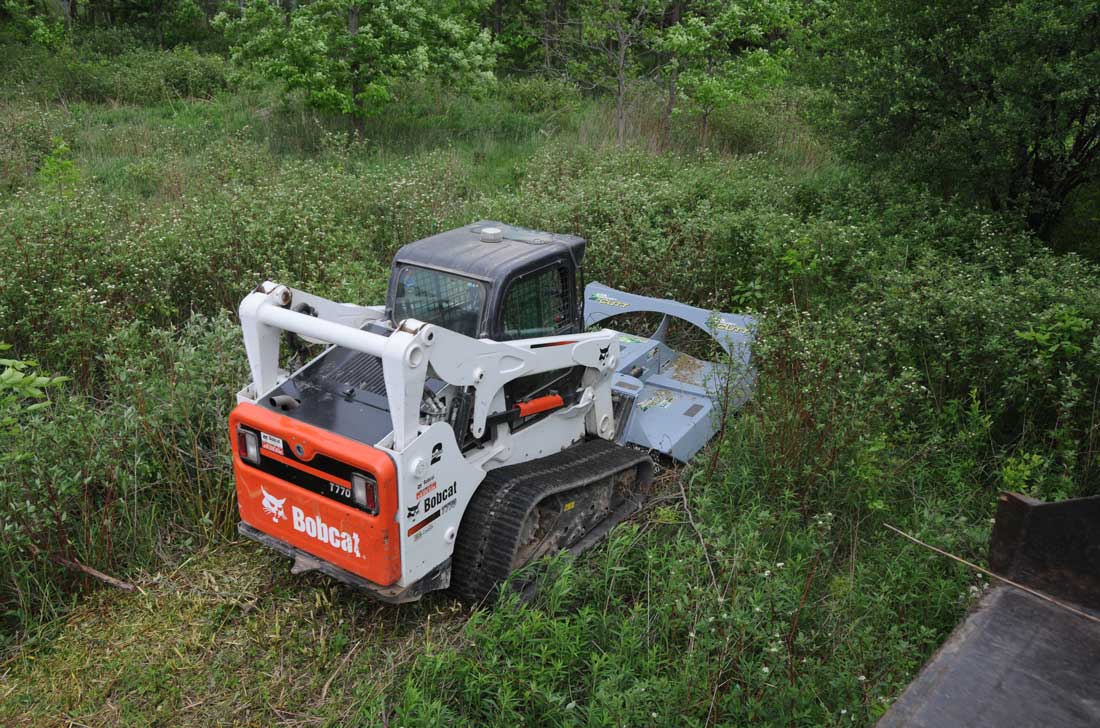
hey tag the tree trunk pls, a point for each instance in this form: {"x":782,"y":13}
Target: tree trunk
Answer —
{"x":547,"y":34}
{"x":620,"y":96}
{"x":673,"y":79}
{"x":358,"y":128}
{"x":704,"y":137}
{"x":670,"y":105}
{"x":288,"y":9}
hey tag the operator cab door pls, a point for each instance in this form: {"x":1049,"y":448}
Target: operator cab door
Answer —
{"x":542,"y":302}
{"x":539,"y":303}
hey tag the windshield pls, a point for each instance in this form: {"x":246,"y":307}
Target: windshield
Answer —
{"x":434,"y":297}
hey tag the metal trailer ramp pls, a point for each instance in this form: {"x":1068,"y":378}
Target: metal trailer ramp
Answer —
{"x":1016,"y":659}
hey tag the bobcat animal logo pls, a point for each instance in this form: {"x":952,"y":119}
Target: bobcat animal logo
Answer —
{"x":273,"y":506}
{"x":412,"y":510}
{"x":603,"y":353}
{"x":437,"y":452}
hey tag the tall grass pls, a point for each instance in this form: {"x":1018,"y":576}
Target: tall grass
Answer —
{"x":914,"y":356}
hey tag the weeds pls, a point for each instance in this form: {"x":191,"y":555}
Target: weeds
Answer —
{"x":913,"y":357}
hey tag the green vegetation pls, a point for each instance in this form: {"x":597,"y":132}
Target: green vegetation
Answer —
{"x":917,"y":353}
{"x":346,"y":56}
{"x":993,"y":100}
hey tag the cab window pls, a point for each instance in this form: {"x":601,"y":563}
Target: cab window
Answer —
{"x":439,"y":298}
{"x":538,"y":305}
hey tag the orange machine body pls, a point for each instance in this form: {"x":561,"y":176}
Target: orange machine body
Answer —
{"x":303,"y":513}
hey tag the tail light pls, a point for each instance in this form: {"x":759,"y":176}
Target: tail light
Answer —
{"x":364,"y":489}
{"x":248,"y":446}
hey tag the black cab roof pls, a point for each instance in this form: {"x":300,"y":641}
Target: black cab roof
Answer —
{"x":463,"y":251}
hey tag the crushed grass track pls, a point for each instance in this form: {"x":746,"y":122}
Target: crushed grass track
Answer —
{"x":228,"y":638}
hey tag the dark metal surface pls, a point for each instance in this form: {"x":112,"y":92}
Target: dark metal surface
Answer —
{"x":461,"y":251}
{"x":344,"y":392}
{"x":1052,"y":547}
{"x":1018,"y":660}
{"x":1015,"y":661}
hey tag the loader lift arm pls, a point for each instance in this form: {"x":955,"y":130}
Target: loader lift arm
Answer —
{"x":415,"y":347}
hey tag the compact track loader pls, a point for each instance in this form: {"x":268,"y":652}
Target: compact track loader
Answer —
{"x":470,"y":424}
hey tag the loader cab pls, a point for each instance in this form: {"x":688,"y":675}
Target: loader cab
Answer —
{"x":490,"y":280}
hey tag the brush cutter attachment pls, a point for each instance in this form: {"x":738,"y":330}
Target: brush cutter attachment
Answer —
{"x":666,"y":400}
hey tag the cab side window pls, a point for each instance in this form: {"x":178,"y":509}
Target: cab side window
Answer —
{"x":538,"y":305}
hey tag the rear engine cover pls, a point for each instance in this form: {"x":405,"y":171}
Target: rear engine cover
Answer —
{"x":314,"y":513}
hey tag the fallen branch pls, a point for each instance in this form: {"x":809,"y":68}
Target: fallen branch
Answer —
{"x":77,"y":566}
{"x":96,"y":573}
{"x":998,"y":577}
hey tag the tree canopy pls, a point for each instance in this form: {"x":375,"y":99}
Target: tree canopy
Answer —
{"x":344,"y":55}
{"x":993,"y":99}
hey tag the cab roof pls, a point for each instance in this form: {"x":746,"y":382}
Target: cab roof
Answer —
{"x":462,"y":251}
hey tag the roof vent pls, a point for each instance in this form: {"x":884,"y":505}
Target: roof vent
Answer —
{"x":490,"y":235}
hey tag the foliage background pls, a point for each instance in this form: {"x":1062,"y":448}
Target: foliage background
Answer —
{"x":920,"y":348}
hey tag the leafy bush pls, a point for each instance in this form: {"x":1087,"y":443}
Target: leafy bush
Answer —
{"x":540,"y":95}
{"x":136,"y":76}
{"x":28,"y":134}
{"x":118,"y":480}
{"x":950,"y":95}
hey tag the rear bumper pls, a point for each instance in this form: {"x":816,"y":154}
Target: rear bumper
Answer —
{"x":437,"y":578}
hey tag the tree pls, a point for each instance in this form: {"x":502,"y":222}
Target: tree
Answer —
{"x":720,"y":52}
{"x":995,"y":99}
{"x":345,"y":55}
{"x":611,"y":36}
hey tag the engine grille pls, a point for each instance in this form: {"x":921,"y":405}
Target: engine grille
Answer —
{"x":357,"y":371}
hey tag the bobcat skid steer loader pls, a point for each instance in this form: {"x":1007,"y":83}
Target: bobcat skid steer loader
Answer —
{"x":470,"y":424}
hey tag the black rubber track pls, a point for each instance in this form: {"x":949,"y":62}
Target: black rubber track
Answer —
{"x":489,"y":534}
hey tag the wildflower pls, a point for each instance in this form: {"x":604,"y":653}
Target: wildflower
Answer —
{"x":765,"y":670}
{"x":862,"y":678}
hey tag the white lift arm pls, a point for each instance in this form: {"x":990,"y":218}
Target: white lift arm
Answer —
{"x":414,"y":347}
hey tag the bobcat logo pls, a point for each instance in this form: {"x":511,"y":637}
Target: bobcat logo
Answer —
{"x":437,"y":452}
{"x":603,"y":353}
{"x":412,"y":510}
{"x":273,"y":506}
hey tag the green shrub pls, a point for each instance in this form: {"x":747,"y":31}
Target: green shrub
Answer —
{"x":72,"y":74}
{"x":27,"y":136}
{"x":120,"y":480}
{"x":540,"y":95}
{"x":946,"y":94}
{"x":107,"y":40}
